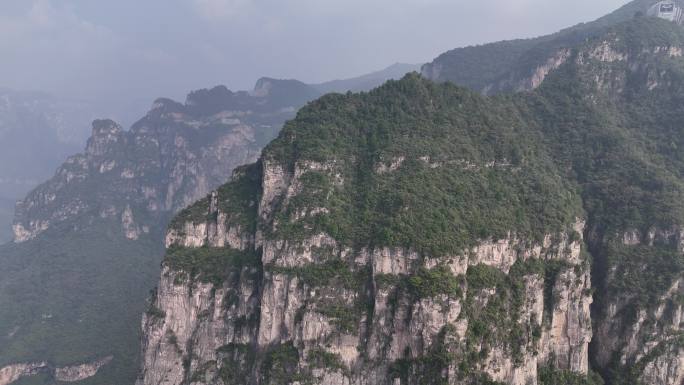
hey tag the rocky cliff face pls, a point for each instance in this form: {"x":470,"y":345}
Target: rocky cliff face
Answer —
{"x":271,"y":319}
{"x":640,"y":331}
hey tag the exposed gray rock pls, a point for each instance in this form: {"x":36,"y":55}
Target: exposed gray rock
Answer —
{"x":73,"y":373}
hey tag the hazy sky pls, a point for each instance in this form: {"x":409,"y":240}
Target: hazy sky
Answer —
{"x":148,"y":48}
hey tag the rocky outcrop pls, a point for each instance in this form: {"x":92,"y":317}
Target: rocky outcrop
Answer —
{"x":634,"y":334}
{"x":138,"y":175}
{"x":74,"y":373}
{"x":80,"y":372}
{"x":11,"y":373}
{"x":520,"y":81}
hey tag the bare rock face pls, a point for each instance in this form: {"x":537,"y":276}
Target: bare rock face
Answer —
{"x":530,"y":79}
{"x":665,"y":369}
{"x":137,"y":175}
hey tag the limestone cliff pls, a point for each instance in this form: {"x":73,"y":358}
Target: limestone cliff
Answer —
{"x":271,"y":318}
{"x":296,"y":273}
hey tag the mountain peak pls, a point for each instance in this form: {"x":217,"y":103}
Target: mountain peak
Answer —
{"x":266,"y":86}
{"x":106,"y":132}
{"x":213,"y":95}
{"x":104,"y":127}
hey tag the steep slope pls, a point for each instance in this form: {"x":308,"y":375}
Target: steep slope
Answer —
{"x":624,"y":146}
{"x":423,"y":234}
{"x":521,"y":65}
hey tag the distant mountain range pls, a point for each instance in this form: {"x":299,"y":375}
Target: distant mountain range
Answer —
{"x":37,"y":132}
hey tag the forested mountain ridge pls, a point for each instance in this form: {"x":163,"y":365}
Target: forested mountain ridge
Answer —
{"x":522,"y":64}
{"x":424,"y":234}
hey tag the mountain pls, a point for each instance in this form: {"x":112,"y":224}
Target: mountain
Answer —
{"x":367,"y":82}
{"x":425,"y":234}
{"x":88,"y":242}
{"x":521,"y":65}
{"x":37,"y":132}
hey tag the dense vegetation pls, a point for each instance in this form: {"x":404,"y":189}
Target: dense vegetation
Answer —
{"x":495,"y":67}
{"x":470,"y":168}
{"x":552,"y":376}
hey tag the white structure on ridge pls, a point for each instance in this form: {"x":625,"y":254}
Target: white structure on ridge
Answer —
{"x":668,"y":10}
